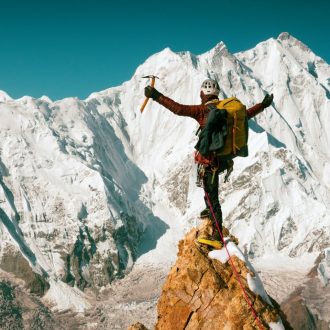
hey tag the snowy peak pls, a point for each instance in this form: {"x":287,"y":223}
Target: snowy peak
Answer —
{"x":289,"y":69}
{"x":219,"y":48}
{"x":203,"y":65}
{"x":310,"y":62}
{"x":286,"y":39}
{"x":46,"y":99}
{"x":217,"y":62}
{"x":284,"y":36}
{"x":4,"y":97}
{"x":156,"y":60}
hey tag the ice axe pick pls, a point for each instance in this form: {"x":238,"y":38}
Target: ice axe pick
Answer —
{"x":152,"y":84}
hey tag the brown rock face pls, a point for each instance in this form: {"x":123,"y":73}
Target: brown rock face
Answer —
{"x":20,"y":309}
{"x":299,"y":314}
{"x":308,"y":306}
{"x":13,"y":262}
{"x":203,"y":293}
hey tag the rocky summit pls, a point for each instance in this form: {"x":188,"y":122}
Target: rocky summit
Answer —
{"x":202,"y":290}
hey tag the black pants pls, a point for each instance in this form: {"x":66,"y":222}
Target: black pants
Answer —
{"x":211,"y":187}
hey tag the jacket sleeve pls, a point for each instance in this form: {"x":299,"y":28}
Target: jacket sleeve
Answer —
{"x":193,"y":111}
{"x":251,"y":112}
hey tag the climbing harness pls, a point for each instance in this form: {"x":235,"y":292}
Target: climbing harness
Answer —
{"x":232,"y":264}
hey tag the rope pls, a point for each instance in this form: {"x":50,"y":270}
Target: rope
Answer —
{"x":233,"y":266}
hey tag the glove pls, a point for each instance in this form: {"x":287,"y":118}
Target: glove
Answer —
{"x":267,"y":101}
{"x":152,"y":93}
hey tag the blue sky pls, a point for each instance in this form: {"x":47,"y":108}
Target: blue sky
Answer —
{"x":72,"y":48}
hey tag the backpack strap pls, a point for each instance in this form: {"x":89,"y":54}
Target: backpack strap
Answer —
{"x":211,"y":105}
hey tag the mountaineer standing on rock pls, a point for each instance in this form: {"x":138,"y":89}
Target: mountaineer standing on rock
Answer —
{"x":223,"y":136}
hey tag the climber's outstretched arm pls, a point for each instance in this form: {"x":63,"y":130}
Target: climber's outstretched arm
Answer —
{"x":194,"y":111}
{"x":266,"y":102}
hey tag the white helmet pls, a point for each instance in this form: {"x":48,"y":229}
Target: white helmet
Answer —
{"x":210,"y":87}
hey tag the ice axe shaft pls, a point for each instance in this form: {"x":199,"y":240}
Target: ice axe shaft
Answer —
{"x":152,"y":84}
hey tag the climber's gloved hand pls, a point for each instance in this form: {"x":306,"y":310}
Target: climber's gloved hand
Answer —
{"x":152,"y":93}
{"x":267,"y":101}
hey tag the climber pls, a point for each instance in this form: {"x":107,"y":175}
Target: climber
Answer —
{"x":209,"y":166}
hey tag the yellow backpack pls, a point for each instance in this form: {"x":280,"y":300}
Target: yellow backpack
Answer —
{"x":236,"y":139}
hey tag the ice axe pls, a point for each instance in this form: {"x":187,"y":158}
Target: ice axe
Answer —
{"x":152,"y":84}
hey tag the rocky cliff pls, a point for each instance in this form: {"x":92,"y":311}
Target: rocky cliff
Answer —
{"x":202,"y":291}
{"x":22,"y":308}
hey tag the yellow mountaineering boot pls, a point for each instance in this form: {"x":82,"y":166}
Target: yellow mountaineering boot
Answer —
{"x":207,"y":236}
{"x":210,"y":242}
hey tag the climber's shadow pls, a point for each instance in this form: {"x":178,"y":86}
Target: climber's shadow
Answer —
{"x":124,"y":180}
{"x":155,"y":228}
{"x":254,"y":126}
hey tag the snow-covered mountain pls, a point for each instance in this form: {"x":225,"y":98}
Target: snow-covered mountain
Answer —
{"x":90,"y":186}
